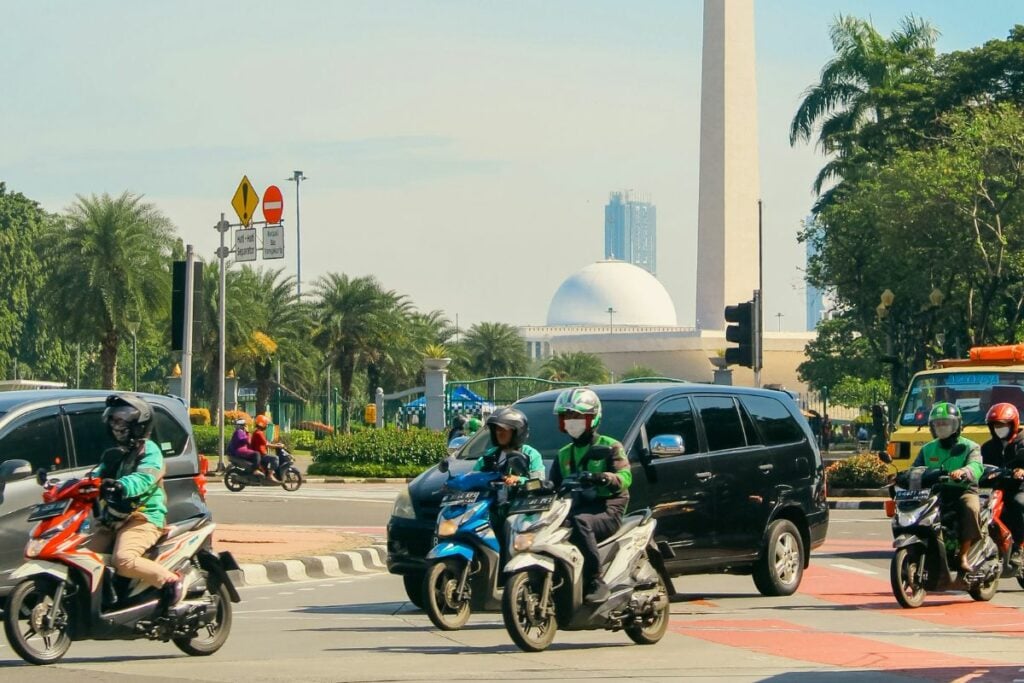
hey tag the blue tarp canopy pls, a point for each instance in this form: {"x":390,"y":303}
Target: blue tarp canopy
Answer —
{"x":459,"y":398}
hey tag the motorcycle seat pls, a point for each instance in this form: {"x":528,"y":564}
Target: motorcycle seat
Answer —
{"x":629,"y":522}
{"x":184,"y":526}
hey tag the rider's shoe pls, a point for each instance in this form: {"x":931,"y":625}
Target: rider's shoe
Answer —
{"x":173,"y":591}
{"x":598,"y":593}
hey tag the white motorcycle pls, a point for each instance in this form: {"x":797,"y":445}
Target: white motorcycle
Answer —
{"x":544,"y":587}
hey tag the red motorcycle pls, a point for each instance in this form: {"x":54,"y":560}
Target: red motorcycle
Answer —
{"x":997,"y":478}
{"x":69,"y":592}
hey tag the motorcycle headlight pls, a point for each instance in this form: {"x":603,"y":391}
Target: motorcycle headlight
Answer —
{"x":403,"y":506}
{"x":523,"y":542}
{"x":34,"y":547}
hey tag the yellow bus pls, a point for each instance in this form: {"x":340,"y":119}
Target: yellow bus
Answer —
{"x":990,"y":375}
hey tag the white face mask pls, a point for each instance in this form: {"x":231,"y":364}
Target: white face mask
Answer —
{"x":944,"y":430}
{"x":575,"y":428}
{"x":1002,"y":432}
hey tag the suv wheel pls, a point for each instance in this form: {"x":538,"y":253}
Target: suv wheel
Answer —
{"x":413,"y":584}
{"x":781,"y":566}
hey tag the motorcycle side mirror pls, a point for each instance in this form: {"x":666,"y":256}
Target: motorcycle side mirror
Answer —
{"x":884,"y":457}
{"x":444,"y":465}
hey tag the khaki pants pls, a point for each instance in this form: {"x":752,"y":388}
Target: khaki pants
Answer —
{"x":130,"y":542}
{"x":970,"y":517}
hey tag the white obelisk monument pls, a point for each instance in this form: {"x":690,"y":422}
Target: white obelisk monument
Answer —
{"x":727,"y":242}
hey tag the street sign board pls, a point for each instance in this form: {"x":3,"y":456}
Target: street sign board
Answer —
{"x":273,"y":207}
{"x":245,"y":244}
{"x":273,"y":241}
{"x":245,"y":201}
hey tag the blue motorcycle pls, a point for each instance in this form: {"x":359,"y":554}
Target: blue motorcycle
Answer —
{"x":464,"y":567}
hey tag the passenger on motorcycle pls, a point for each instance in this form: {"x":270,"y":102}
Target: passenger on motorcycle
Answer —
{"x":960,"y":458}
{"x":239,"y":445}
{"x":258,"y":442}
{"x":132,"y":518}
{"x":509,"y":431}
{"x":1006,"y":450}
{"x":597,"y":512}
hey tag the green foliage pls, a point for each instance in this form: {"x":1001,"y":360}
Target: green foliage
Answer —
{"x":388,"y":447}
{"x":638,"y":371}
{"x":199,"y":416}
{"x":854,"y":392}
{"x":348,"y":469}
{"x":299,"y":439}
{"x":206,"y":437}
{"x":864,"y":471}
{"x":576,"y":366}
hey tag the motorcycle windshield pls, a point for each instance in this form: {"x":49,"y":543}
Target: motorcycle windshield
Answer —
{"x":473,"y":481}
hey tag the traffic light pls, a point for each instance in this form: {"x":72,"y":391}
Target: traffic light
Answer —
{"x":741,"y":333}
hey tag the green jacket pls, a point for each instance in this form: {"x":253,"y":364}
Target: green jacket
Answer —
{"x":964,"y":454}
{"x":611,"y":460}
{"x":142,"y":479}
{"x":536,"y":461}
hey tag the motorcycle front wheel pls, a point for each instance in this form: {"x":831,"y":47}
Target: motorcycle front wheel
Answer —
{"x":26,"y":622}
{"x":531,"y":625}
{"x":904,"y":575}
{"x":446,"y":610}
{"x":291,"y":479}
{"x":233,"y":481}
{"x":210,"y":638}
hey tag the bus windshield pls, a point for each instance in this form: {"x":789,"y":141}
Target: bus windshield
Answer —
{"x":973,"y":391}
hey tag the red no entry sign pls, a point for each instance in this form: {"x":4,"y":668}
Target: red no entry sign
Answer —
{"x":273,"y":205}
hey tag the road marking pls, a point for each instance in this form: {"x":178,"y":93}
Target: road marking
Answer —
{"x":852,"y":569}
{"x":307,"y":589}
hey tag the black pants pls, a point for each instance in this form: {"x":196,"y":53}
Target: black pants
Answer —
{"x":1013,"y":514}
{"x":591,"y":524}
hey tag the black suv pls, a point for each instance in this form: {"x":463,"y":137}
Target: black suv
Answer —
{"x":736,"y":483}
{"x":61,"y":430}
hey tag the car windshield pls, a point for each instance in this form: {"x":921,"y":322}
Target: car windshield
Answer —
{"x":973,"y":392}
{"x":616,"y":418}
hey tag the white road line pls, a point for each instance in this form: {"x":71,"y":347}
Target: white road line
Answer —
{"x":307,"y":589}
{"x":852,"y":569}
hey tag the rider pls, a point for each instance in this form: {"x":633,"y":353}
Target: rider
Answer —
{"x":258,"y":442}
{"x":132,"y":473}
{"x":961,"y":459}
{"x":457,"y":430}
{"x":597,"y":512}
{"x":473,"y":425}
{"x":509,"y":429}
{"x":239,"y":445}
{"x":1006,"y":449}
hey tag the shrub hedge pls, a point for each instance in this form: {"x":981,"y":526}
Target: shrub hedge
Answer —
{"x":206,"y":438}
{"x":379,"y":452}
{"x":299,"y":439}
{"x":864,"y":471}
{"x":199,"y":416}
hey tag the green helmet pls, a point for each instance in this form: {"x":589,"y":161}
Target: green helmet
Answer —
{"x":579,"y":400}
{"x":945,"y":420}
{"x":472,"y":426}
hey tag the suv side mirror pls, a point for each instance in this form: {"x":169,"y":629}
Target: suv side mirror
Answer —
{"x":13,"y":470}
{"x":444,"y":465}
{"x":667,"y":445}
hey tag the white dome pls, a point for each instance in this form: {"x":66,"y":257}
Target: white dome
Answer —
{"x":635,"y":296}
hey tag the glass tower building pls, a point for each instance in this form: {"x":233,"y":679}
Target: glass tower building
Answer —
{"x":630,"y":230}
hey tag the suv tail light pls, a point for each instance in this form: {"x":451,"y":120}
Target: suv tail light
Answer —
{"x":200,"y":479}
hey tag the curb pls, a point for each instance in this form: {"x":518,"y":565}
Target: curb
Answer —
{"x":356,"y":562}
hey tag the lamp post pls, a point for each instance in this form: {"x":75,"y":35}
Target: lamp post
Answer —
{"x":132,"y":322}
{"x":611,"y":312}
{"x":779,"y":316}
{"x":297,"y":178}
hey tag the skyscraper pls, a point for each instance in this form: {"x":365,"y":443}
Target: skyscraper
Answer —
{"x":815,"y":297}
{"x":630,"y":230}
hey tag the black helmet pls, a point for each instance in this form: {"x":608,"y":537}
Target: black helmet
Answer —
{"x":512,"y":419}
{"x":128,"y":418}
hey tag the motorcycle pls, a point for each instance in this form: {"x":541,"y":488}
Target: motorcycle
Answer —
{"x":241,"y":473}
{"x":544,"y":577}
{"x":68,"y":592}
{"x":464,"y":566}
{"x":926,"y":543}
{"x":998,"y":479}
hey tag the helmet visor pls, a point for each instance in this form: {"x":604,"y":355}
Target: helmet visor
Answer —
{"x":945,"y":427}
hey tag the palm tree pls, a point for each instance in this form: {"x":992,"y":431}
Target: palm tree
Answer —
{"x":857,"y":85}
{"x":354,"y":323}
{"x":110,"y":262}
{"x":638,"y":371}
{"x":494,"y":350}
{"x":237,"y":322}
{"x":576,"y":366}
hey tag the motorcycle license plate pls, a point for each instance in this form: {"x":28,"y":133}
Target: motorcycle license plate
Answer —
{"x":531,"y":504}
{"x":460,"y":498}
{"x":48,"y":510}
{"x":903,"y":496}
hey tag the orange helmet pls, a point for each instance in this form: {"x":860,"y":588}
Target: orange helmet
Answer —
{"x":1006,"y":413}
{"x":262,"y":421}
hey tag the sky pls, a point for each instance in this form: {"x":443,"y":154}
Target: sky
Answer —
{"x":461,"y":152}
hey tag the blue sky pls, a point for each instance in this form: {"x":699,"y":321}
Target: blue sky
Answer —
{"x":462,"y":152}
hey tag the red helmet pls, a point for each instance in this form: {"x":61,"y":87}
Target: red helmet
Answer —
{"x":1004,"y":412}
{"x":262,"y":421}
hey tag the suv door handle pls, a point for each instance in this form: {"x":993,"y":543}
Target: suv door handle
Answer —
{"x":766,"y":468}
{"x":704,"y":476}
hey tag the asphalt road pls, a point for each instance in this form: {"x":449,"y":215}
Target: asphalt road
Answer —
{"x":842,"y":626}
{"x":336,"y":505}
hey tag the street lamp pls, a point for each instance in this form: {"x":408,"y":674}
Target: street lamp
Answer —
{"x":297,"y":178}
{"x":611,"y":312}
{"x":132,"y":322}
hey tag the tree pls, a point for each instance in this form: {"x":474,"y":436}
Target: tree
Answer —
{"x":238,"y":323}
{"x":110,"y":261}
{"x":639,"y":371}
{"x":495,"y":350}
{"x":576,"y":366}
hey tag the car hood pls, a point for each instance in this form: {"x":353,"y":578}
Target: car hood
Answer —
{"x":426,"y":488}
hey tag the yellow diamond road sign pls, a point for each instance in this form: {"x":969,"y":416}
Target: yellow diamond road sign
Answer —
{"x":245,"y":201}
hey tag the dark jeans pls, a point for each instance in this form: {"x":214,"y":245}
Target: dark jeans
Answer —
{"x":591,"y":524}
{"x":269,"y":462}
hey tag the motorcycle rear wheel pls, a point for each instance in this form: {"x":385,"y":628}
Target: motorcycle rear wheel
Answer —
{"x":291,"y":479}
{"x":651,"y":633}
{"x":439,"y":602}
{"x":233,"y":481}
{"x":985,"y":591}
{"x":520,"y":610}
{"x":28,"y":604}
{"x":211,"y":637}
{"x":904,"y":578}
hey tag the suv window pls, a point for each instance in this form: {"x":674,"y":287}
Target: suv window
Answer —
{"x":168,"y":433}
{"x":88,"y":433}
{"x":675,"y":416}
{"x":722,"y":427}
{"x":775,"y":422}
{"x":37,"y":438}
